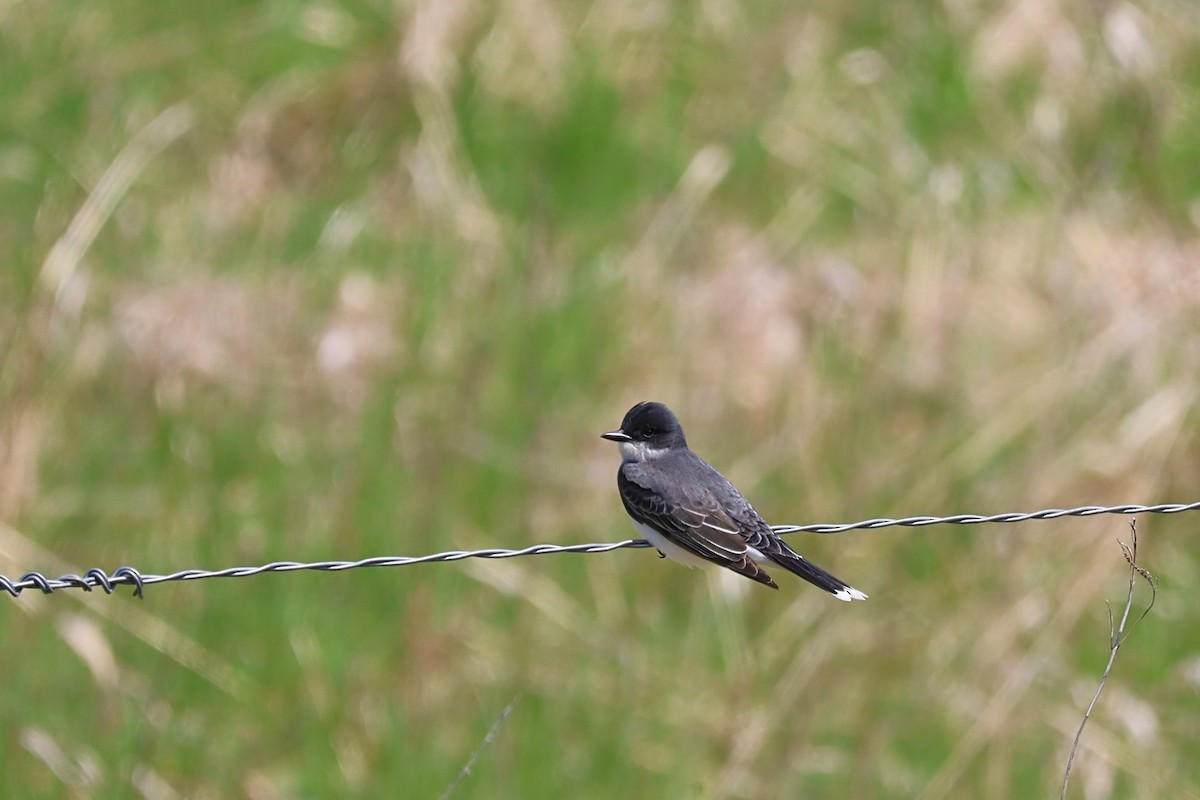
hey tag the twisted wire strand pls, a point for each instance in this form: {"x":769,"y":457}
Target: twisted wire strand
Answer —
{"x":128,"y":576}
{"x":975,"y":519}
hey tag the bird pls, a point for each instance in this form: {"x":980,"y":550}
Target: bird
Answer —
{"x":691,"y":513}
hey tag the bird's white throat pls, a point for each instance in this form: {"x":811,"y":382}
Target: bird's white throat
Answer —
{"x":640,"y":451}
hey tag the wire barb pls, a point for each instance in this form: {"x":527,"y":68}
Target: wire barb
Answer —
{"x":128,"y":576}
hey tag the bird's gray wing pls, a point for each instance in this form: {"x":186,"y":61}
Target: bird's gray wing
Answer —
{"x":755,"y":531}
{"x":692,"y":518}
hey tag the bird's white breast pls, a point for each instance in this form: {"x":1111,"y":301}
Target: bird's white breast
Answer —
{"x":667,"y":547}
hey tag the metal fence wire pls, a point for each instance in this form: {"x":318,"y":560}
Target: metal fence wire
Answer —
{"x":129,"y":576}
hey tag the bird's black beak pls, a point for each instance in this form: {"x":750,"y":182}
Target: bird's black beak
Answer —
{"x":617,"y":436}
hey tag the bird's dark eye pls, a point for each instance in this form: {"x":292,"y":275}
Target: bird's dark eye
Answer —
{"x":646,"y":433}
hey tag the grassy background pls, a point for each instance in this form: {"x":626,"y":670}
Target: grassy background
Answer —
{"x":369,"y":278}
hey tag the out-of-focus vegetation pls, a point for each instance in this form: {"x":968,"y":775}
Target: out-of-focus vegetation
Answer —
{"x":340,"y":279}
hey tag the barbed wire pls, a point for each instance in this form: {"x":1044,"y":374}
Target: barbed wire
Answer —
{"x":128,"y":576}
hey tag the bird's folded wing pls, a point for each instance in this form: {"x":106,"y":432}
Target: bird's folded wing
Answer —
{"x":700,"y":527}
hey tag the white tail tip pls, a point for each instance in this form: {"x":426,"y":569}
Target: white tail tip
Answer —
{"x":848,"y":594}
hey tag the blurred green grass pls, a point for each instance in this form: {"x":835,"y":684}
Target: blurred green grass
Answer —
{"x":404,"y":263}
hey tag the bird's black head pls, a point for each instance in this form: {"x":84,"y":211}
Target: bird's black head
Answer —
{"x":648,"y":429}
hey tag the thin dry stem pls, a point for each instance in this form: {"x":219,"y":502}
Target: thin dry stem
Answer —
{"x":1116,"y":638}
{"x":487,"y":739}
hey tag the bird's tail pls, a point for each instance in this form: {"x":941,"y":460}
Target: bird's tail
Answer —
{"x":799,"y":565}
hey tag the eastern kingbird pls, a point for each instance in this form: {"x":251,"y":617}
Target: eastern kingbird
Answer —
{"x":690,"y":512}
